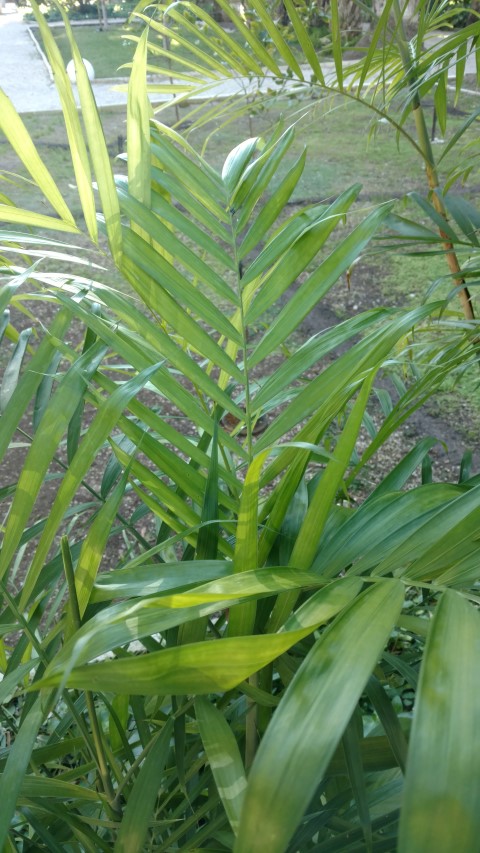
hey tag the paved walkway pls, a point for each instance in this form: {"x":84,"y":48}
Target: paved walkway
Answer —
{"x":23,"y":74}
{"x":26,"y":79}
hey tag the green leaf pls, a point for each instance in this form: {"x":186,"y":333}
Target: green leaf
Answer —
{"x":225,"y":46}
{"x":143,"y":346}
{"x":237,"y":161}
{"x":73,"y":126}
{"x":381,"y":528}
{"x":326,"y":687}
{"x":184,"y":225}
{"x":93,"y":546}
{"x":245,"y":558}
{"x":97,"y":433}
{"x":396,"y":479}
{"x":14,"y":678}
{"x":208,"y":65}
{"x":304,"y":41}
{"x":139,"y":112}
{"x":98,"y":150}
{"x":153,"y":228}
{"x":309,"y":353}
{"x":458,"y":134}
{"x":193,"y":202}
{"x":153,"y":277}
{"x":258,"y":51}
{"x":336,"y":42}
{"x":351,"y":742}
{"x":388,"y":718}
{"x":31,"y":380}
{"x":309,"y":535}
{"x":336,"y":384}
{"x":42,"y":786}
{"x":127,"y":621}
{"x":208,"y":189}
{"x":465,"y":215}
{"x":436,"y":217}
{"x":440,"y":100}
{"x":319,"y":509}
{"x":139,"y":810}
{"x":141,"y":580}
{"x":20,"y":216}
{"x":208,"y":535}
{"x":282,"y":240}
{"x":440,"y":810}
{"x":44,"y":445}
{"x":281,"y":45}
{"x":319,"y":282}
{"x":4,"y":323}
{"x":45,"y":390}
{"x":258,"y":175}
{"x":21,"y":141}
{"x":274,"y":206}
{"x":197,"y":668}
{"x":223,"y":757}
{"x":12,"y":370}
{"x":378,"y":35}
{"x":434,"y":543}
{"x":13,"y":776}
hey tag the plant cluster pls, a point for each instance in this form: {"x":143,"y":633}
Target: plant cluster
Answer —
{"x":84,"y":11}
{"x":262,"y":664}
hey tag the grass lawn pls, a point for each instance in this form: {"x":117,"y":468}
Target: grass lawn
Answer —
{"x":107,"y":50}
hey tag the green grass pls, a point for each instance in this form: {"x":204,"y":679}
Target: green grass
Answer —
{"x":107,"y":50}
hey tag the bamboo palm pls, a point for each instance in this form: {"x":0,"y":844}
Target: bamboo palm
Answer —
{"x":258,"y":593}
{"x":392,"y":71}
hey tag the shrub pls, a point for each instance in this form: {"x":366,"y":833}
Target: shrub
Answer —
{"x":276,"y":623}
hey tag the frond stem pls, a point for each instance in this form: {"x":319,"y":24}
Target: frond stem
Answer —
{"x":430,"y":166}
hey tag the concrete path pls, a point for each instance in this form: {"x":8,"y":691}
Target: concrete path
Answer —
{"x":25,"y":77}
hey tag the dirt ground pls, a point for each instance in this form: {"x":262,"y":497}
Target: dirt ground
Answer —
{"x":454,"y":421}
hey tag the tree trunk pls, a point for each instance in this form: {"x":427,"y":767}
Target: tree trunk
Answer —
{"x":102,"y":14}
{"x":409,"y":16}
{"x":350,"y":19}
{"x":475,"y":7}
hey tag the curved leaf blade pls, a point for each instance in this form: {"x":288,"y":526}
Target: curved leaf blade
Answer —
{"x":326,"y":687}
{"x":224,"y":758}
{"x":141,"y":801}
{"x":440,"y":809}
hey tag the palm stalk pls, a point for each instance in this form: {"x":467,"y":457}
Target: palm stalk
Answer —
{"x":103,"y":771}
{"x":430,"y":164}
